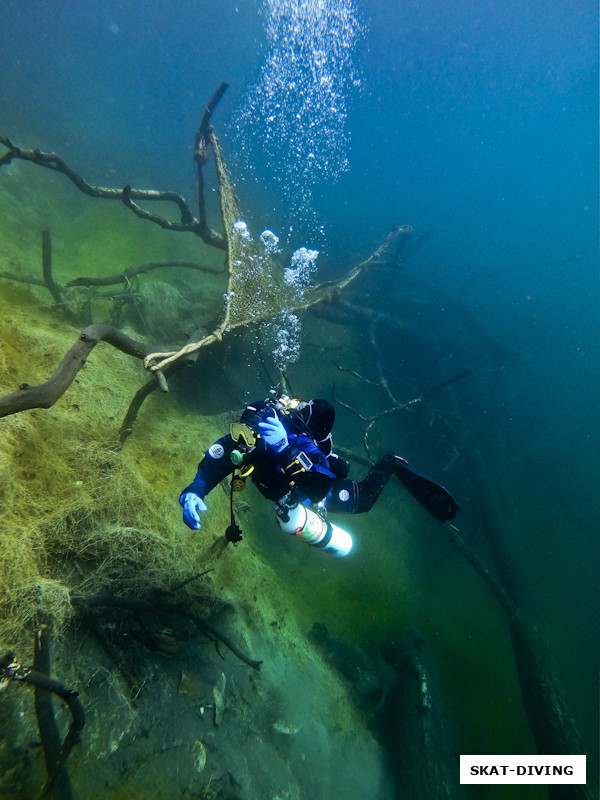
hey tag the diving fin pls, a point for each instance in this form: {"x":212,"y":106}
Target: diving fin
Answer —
{"x":433,"y":497}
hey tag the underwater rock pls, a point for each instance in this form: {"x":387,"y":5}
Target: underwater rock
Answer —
{"x":199,"y":753}
{"x":190,"y":686}
{"x":285,"y":728}
{"x":219,"y":695}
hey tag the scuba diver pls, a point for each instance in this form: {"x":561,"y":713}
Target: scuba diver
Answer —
{"x":285,"y":446}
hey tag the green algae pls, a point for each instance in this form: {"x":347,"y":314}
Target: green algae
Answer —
{"x":80,"y":512}
{"x":72,"y":499}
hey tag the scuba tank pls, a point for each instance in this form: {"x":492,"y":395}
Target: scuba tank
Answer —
{"x":313,"y":529}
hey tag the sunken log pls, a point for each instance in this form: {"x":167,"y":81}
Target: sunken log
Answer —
{"x":413,"y":724}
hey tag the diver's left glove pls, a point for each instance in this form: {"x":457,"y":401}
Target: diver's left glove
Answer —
{"x":274,"y":433}
{"x":192,"y":505}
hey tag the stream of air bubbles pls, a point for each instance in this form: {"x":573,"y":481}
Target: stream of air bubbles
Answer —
{"x":291,"y":129}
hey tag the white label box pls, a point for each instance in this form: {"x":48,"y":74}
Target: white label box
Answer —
{"x":522,"y":769}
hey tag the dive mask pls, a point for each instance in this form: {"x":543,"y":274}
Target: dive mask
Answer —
{"x":242,"y":434}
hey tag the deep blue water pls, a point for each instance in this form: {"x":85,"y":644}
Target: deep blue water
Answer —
{"x":475,"y":121}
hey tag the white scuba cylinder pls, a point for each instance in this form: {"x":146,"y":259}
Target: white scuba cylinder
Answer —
{"x":313,"y":529}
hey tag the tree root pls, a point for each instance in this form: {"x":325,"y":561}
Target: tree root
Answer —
{"x":86,"y":604}
{"x":12,"y":670}
{"x":49,"y":733}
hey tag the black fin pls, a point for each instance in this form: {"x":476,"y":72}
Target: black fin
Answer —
{"x":433,"y":497}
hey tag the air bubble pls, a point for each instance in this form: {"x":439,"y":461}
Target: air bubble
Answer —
{"x":297,"y":110}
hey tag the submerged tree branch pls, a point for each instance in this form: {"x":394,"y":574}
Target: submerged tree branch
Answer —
{"x":127,"y":195}
{"x":155,"y":359}
{"x":53,"y":287}
{"x":201,"y":143}
{"x":320,"y":294}
{"x":141,"y":269}
{"x":47,"y":726}
{"x":46,"y":394}
{"x":57,"y":164}
{"x":142,"y":393}
{"x":13,"y":670}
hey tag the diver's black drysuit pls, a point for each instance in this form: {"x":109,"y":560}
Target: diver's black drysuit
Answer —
{"x":308,"y":467}
{"x":321,"y":476}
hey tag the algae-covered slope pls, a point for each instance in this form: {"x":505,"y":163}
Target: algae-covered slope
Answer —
{"x":168,"y":713}
{"x":73,"y":503}
{"x":92,"y":528}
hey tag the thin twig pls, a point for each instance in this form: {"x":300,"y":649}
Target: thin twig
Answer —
{"x":179,"y":586}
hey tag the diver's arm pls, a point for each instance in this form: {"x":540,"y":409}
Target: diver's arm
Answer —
{"x":214,"y":467}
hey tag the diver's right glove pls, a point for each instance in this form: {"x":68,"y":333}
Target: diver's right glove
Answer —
{"x":274,"y":433}
{"x":192,"y":505}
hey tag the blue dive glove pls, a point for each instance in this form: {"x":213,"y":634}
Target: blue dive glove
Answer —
{"x":192,"y":505}
{"x":274,"y":433}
